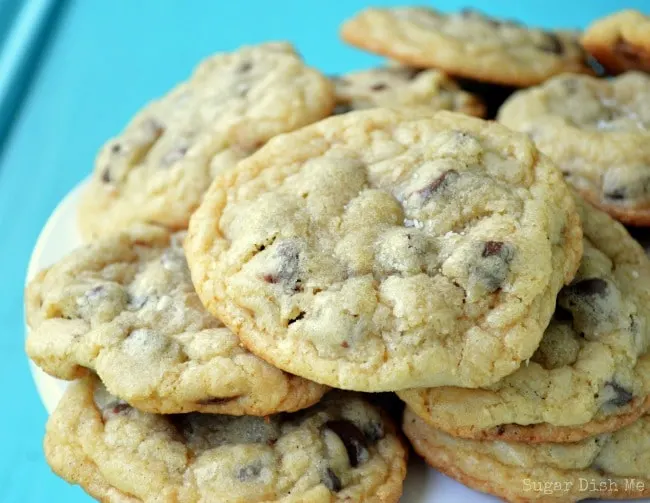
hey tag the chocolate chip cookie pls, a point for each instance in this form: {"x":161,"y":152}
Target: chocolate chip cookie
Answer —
{"x":467,"y":44}
{"x":400,"y":86}
{"x":157,"y":169}
{"x":586,"y":376}
{"x":340,"y":450}
{"x":598,"y":133}
{"x":383,"y":250}
{"x":620,"y":42}
{"x":615,"y":466}
{"x":125,"y":307}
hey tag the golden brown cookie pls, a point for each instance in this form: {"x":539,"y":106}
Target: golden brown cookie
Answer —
{"x":466,"y":44}
{"x":340,"y":450}
{"x":157,"y":169}
{"x":125,"y":307}
{"x":330,"y":249}
{"x":611,"y":466}
{"x":593,"y":356}
{"x":620,"y":41}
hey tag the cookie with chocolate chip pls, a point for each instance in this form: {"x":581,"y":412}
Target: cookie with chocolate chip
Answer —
{"x":598,"y":133}
{"x":591,"y":372}
{"x":466,"y":44}
{"x":620,"y":41}
{"x":610,"y":466}
{"x":125,"y":308}
{"x":156,"y":170}
{"x":381,"y":250}
{"x":340,"y":450}
{"x":399,"y":86}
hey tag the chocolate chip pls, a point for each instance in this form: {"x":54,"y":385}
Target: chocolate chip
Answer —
{"x":621,"y":395}
{"x":299,"y":317}
{"x":501,"y":429}
{"x":244,"y":67}
{"x":217,"y":400}
{"x":439,"y":184}
{"x":115,"y":409}
{"x":288,"y":255}
{"x":374,"y":431}
{"x":552,"y":44}
{"x":250,"y":471}
{"x":106,"y":175}
{"x":492,"y":248}
{"x":343,"y":108}
{"x":590,"y":286}
{"x":353,"y":439}
{"x":379,"y":86}
{"x":493,"y":267}
{"x":331,"y":480}
{"x":616,"y":194}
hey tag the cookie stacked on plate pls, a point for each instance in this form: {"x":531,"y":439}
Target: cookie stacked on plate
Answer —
{"x":568,"y":423}
{"x":262,"y":234}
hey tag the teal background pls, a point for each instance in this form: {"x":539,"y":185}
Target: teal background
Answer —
{"x":102,"y":60}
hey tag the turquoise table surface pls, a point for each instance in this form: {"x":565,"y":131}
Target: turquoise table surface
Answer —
{"x":102,"y":61}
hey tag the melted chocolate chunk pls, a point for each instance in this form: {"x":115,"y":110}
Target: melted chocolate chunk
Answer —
{"x":299,"y":317}
{"x":552,"y":44}
{"x":249,"y":472}
{"x":217,"y":400}
{"x":494,"y":265}
{"x":245,"y":67}
{"x":116,"y":148}
{"x":374,"y":431}
{"x":331,"y":480}
{"x":353,"y":439}
{"x":588,"y":287}
{"x":439,"y":184}
{"x":491,"y":248}
{"x":622,"y":396}
{"x":106,"y":175}
{"x":288,"y":255}
{"x":616,"y":194}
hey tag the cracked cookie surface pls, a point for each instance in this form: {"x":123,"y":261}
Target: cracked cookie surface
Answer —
{"x":467,"y":44}
{"x":342,"y":449}
{"x":399,"y":86}
{"x":383,"y":250}
{"x":620,"y":42}
{"x":125,"y":307}
{"x":615,"y":466}
{"x":157,"y":169}
{"x":591,"y":372}
{"x":598,"y":133}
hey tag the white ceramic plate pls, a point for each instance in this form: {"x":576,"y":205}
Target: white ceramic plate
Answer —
{"x":60,"y":236}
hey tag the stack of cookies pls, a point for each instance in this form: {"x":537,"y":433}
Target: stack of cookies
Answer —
{"x":263,"y":234}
